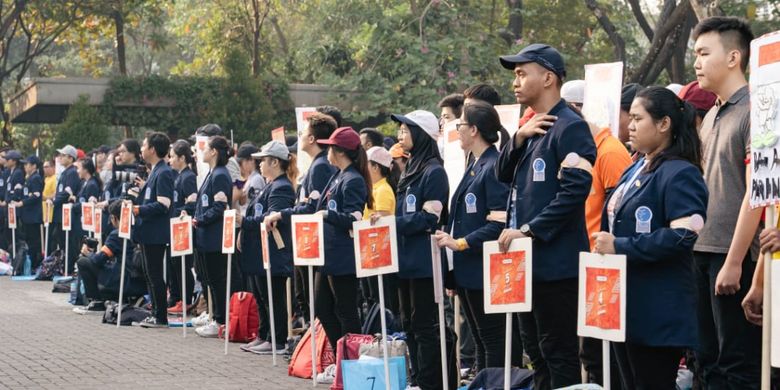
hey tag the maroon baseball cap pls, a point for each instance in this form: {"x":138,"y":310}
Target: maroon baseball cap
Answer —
{"x":343,"y":137}
{"x":700,"y":99}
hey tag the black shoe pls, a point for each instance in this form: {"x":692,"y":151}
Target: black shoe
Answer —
{"x":151,"y":322}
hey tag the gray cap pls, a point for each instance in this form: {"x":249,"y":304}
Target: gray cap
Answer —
{"x":69,"y":150}
{"x":13,"y":155}
{"x":274,"y":149}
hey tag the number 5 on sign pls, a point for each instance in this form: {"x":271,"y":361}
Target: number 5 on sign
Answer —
{"x":507,"y":277}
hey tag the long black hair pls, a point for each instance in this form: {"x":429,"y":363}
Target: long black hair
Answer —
{"x":89,"y":166}
{"x":182,"y":148}
{"x":360,"y":159}
{"x":482,"y":115}
{"x":685,"y":144}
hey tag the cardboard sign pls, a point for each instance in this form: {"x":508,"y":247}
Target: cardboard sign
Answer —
{"x":601,"y":310}
{"x":507,"y":276}
{"x":11,"y":216}
{"x":98,"y":221}
{"x":125,"y":220}
{"x":601,"y":99}
{"x":438,"y":278}
{"x":87,"y":217}
{"x":66,"y":222}
{"x":765,"y":120}
{"x":201,"y":142}
{"x":509,"y":114}
{"x":376,"y":249}
{"x":277,"y":134}
{"x":308,"y":241}
{"x":181,"y":236}
{"x":264,"y":245}
{"x":454,"y":156}
{"x":302,"y":115}
{"x":229,"y":232}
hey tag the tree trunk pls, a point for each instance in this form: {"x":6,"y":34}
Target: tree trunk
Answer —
{"x":514,"y":28}
{"x":255,"y":38}
{"x":677,"y":74}
{"x":706,"y":8}
{"x":121,"y":59}
{"x":7,"y":140}
{"x":659,"y":53}
{"x":609,"y":28}
{"x":636,"y":9}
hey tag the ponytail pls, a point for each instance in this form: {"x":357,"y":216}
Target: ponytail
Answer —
{"x":360,"y":159}
{"x":182,"y":148}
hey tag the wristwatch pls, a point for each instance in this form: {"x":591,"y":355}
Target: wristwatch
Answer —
{"x":526,"y":230}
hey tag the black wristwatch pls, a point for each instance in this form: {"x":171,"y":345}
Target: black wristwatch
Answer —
{"x":526,"y":230}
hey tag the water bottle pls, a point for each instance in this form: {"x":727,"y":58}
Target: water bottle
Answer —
{"x":27,"y":265}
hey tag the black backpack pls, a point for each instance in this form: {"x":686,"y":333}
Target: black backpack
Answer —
{"x":130,"y":313}
{"x":373,"y":321}
{"x":53,"y":265}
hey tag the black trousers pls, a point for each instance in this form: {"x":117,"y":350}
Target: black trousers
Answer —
{"x":259,"y":287}
{"x":551,"y":326}
{"x":215,"y":264}
{"x":31,"y":233}
{"x":335,"y":304}
{"x":74,"y":237}
{"x":648,"y":368}
{"x":174,"y":279}
{"x":153,"y":273}
{"x":488,"y":332}
{"x":419,"y":316}
{"x":729,"y":353}
{"x":301,"y":291}
{"x":89,"y":272}
{"x":370,"y":288}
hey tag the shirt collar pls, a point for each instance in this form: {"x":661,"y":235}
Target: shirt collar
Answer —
{"x":602,"y":135}
{"x":735,"y":97}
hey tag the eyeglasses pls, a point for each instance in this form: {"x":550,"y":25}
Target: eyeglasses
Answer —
{"x":403,"y":131}
{"x":459,"y":124}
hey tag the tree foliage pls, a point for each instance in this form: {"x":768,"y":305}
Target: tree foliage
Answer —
{"x":84,"y":127}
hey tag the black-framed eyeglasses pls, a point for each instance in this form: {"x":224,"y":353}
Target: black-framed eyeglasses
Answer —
{"x":459,"y":124}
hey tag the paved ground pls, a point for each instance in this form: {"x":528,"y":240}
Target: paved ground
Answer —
{"x":43,"y":345}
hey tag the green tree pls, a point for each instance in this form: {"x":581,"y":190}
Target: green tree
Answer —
{"x":84,"y":127}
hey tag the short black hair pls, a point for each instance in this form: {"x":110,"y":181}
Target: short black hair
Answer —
{"x":322,"y":125}
{"x":735,"y":33}
{"x":455,"y":102}
{"x":159,"y":142}
{"x":333,"y":112}
{"x":115,"y":208}
{"x":374,"y":136}
{"x":133,"y":147}
{"x":484,"y":92}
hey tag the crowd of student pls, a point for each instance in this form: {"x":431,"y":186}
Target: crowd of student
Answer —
{"x":681,"y":158}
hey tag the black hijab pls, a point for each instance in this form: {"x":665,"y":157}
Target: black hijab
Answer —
{"x":425,"y":151}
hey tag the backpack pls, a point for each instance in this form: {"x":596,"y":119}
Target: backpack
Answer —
{"x":348,"y":348}
{"x":53,"y":265}
{"x":492,"y":378}
{"x":130,"y":313}
{"x":300,"y":364}
{"x":21,"y":255}
{"x":373,"y":322}
{"x":244,"y":319}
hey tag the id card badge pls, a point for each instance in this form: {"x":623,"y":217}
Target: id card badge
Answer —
{"x":539,"y":167}
{"x":258,"y":209}
{"x":644,"y":216}
{"x":471,"y":203}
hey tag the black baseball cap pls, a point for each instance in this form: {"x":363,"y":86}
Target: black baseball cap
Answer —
{"x":544,"y":55}
{"x":627,"y":95}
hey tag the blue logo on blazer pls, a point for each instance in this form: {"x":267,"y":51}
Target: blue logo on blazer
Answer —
{"x":411,"y":200}
{"x":258,"y":209}
{"x":471,"y":199}
{"x":332,"y":205}
{"x":82,"y":200}
{"x":643,"y":214}
{"x":539,"y":165}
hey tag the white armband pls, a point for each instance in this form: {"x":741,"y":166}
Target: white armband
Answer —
{"x":573,"y":160}
{"x":693,"y":223}
{"x":433,"y":207}
{"x":165,"y":201}
{"x":220,"y":197}
{"x":497,"y":216}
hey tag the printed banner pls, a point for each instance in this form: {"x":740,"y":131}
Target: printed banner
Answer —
{"x":66,"y":213}
{"x":601,"y":100}
{"x":454,"y":156}
{"x":229,"y":232}
{"x":277,"y":134}
{"x":98,"y":215}
{"x":376,"y":249}
{"x":11,"y":216}
{"x":507,"y":276}
{"x":181,"y":236}
{"x":308,"y":241}
{"x":601,"y":309}
{"x":201,"y":141}
{"x":125,"y":220}
{"x":764,"y":127}
{"x":88,"y":217}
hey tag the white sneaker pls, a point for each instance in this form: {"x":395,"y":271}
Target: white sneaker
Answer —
{"x":328,"y":375}
{"x":201,"y":320}
{"x":211,"y":330}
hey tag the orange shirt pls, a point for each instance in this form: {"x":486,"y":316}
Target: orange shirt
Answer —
{"x":612,"y":159}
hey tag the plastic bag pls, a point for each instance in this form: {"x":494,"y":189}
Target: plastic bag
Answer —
{"x":369,"y":373}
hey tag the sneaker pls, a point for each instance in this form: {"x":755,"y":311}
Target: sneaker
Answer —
{"x":328,"y":375}
{"x":151,"y":322}
{"x":252,"y":344}
{"x":265,"y":349}
{"x":211,"y":330}
{"x":201,"y":320}
{"x":177,"y":308}
{"x":94,"y":308}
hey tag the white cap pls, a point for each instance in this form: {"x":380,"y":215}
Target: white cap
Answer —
{"x":674,"y":87}
{"x":573,"y":91}
{"x":69,"y":150}
{"x":422,"y":119}
{"x":273,"y":149}
{"x":380,"y":156}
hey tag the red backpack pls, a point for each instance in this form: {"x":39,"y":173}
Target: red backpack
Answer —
{"x":300,"y":363}
{"x":243,"y":318}
{"x":348,"y":348}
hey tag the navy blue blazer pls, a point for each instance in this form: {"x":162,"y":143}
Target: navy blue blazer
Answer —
{"x":3,"y":181}
{"x":275,"y":196}
{"x":89,"y":189}
{"x":152,"y":224}
{"x":479,"y":192}
{"x":209,"y":213}
{"x":415,"y":226}
{"x":186,"y":184}
{"x":317,"y":177}
{"x":661,"y":294}
{"x":112,"y":248}
{"x":14,"y":185}
{"x":553,"y":207}
{"x":69,"y":180}
{"x":345,"y":199}
{"x":31,"y":211}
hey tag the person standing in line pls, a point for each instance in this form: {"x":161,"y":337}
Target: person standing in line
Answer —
{"x":68,"y":185}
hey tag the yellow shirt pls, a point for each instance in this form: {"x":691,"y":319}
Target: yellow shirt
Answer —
{"x":49,"y":189}
{"x":384,"y":199}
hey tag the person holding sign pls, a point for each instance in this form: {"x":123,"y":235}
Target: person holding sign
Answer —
{"x":29,"y":208}
{"x":653,"y":217}
{"x":420,"y":205}
{"x":212,"y":201}
{"x":185,"y":192}
{"x":478,"y":214}
{"x":152,"y":212}
{"x":88,"y":193}
{"x":68,"y":185}
{"x":279,"y":170}
{"x":13,"y":185}
{"x":549,"y":163}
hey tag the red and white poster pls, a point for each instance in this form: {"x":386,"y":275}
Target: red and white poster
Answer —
{"x":601,"y":99}
{"x":507,"y":276}
{"x":66,"y":213}
{"x":509,"y":115}
{"x":11,"y":216}
{"x":98,"y":221}
{"x":125,"y":220}
{"x":454,"y":156}
{"x":88,"y":217}
{"x":302,"y":115}
{"x":376,"y":249}
{"x":201,"y":142}
{"x":264,"y":246}
{"x":181,"y":236}
{"x":308,"y":241}
{"x":277,"y":134}
{"x":601,"y":311}
{"x":229,"y":232}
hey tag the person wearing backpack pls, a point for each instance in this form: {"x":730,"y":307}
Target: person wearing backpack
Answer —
{"x":277,"y":165}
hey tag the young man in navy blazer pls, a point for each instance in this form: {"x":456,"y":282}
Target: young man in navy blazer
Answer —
{"x":68,"y":185}
{"x":549,"y":164}
{"x":151,"y":230}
